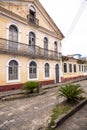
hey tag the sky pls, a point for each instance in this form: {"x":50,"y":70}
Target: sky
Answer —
{"x":70,"y":16}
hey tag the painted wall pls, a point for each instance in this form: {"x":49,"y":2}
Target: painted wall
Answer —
{"x":24,"y":69}
{"x":24,"y":33}
{"x":72,"y":74}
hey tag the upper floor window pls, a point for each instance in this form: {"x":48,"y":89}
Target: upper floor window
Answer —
{"x":70,"y":67}
{"x":55,"y":49}
{"x":13,"y":33}
{"x":32,"y":70}
{"x":13,"y":70}
{"x":47,"y":67}
{"x":32,"y":11}
{"x":32,"y":14}
{"x":32,"y":40}
{"x":74,"y":67}
{"x":13,"y":37}
{"x":55,"y":46}
{"x":45,"y":46}
{"x":65,"y":67}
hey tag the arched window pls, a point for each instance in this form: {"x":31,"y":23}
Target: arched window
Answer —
{"x":32,"y":40}
{"x":55,"y":49}
{"x":13,"y":37}
{"x":32,"y":11}
{"x":13,"y":33}
{"x":55,"y":46}
{"x":47,"y":70}
{"x":32,"y":70}
{"x":13,"y":70}
{"x":32,"y":14}
{"x":45,"y":46}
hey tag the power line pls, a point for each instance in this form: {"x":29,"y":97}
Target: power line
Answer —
{"x":77,"y":17}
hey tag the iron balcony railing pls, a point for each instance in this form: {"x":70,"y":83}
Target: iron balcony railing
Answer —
{"x":16,"y":48}
{"x":33,"y":20}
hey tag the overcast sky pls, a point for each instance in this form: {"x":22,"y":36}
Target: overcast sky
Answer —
{"x":71,"y":18}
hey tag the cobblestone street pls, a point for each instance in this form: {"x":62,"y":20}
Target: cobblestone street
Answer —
{"x":27,"y":114}
{"x":33,"y":113}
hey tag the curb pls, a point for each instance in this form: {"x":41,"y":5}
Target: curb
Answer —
{"x":19,"y":96}
{"x":60,"y":120}
{"x":46,"y":87}
{"x":60,"y":84}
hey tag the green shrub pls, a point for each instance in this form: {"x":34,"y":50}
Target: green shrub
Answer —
{"x":29,"y":86}
{"x":71,"y":91}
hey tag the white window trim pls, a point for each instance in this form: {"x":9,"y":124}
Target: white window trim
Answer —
{"x":11,"y":81}
{"x":29,"y":5}
{"x":46,"y":78}
{"x":36,"y":42}
{"x":19,"y":30}
{"x":34,"y":79}
{"x":48,"y":41}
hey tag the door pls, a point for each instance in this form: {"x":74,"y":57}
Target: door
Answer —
{"x":57,"y":73}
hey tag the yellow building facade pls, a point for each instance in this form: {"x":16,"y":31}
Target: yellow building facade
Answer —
{"x":73,"y":68}
{"x":30,"y":45}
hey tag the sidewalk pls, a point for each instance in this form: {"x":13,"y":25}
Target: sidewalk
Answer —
{"x":18,"y":91}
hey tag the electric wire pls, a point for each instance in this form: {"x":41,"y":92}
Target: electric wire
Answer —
{"x":77,"y":17}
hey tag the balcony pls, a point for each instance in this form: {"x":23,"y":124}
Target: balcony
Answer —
{"x":16,"y":48}
{"x":32,"y":20}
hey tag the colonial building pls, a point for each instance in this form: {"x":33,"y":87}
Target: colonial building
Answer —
{"x":73,"y":68}
{"x":30,"y":45}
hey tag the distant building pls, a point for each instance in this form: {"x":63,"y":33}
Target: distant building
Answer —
{"x":73,"y":68}
{"x":77,"y":56}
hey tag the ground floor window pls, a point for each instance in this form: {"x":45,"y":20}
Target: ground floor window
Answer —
{"x":13,"y":70}
{"x":79,"y":68}
{"x":65,"y":67}
{"x":47,"y":67}
{"x":85,"y":68}
{"x":70,"y":67}
{"x":32,"y":70}
{"x":74,"y":67}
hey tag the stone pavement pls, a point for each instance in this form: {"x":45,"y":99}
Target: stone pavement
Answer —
{"x":30,"y":113}
{"x":76,"y":122}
